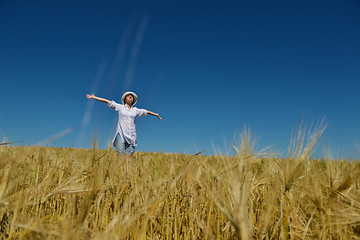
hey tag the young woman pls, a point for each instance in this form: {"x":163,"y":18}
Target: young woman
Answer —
{"x":125,"y":136}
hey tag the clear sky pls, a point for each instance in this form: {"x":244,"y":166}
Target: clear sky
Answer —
{"x":207,"y":67}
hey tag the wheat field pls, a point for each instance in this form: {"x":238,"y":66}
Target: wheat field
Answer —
{"x":67,"y":193}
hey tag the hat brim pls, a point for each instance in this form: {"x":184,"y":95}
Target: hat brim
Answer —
{"x":129,"y":93}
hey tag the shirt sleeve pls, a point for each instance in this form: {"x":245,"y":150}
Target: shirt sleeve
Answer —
{"x":113,"y":105}
{"x":141,"y":112}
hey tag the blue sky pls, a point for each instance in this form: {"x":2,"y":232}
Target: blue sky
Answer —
{"x":208,"y":68}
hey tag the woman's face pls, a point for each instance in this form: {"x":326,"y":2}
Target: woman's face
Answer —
{"x":129,"y":99}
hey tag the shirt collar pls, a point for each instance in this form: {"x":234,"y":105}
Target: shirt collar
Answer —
{"x":127,"y":107}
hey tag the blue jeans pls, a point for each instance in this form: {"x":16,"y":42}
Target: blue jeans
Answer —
{"x":123,"y":147}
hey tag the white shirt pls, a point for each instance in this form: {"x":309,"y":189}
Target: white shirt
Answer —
{"x":126,"y":124}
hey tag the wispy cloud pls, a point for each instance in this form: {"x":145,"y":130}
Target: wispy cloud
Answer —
{"x":120,"y":54}
{"x":135,"y":52}
{"x":90,"y":104}
{"x":56,"y":136}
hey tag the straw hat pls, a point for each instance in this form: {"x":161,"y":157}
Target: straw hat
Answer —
{"x":127,"y":93}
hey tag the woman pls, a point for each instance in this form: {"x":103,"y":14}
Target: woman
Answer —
{"x":125,"y":136}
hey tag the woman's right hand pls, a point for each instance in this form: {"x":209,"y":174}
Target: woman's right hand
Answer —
{"x":92,"y":96}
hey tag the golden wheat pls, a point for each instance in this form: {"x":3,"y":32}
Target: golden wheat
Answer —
{"x":66,"y":193}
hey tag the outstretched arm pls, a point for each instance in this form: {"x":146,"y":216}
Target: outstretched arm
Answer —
{"x":154,"y":114}
{"x":92,"y":96}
